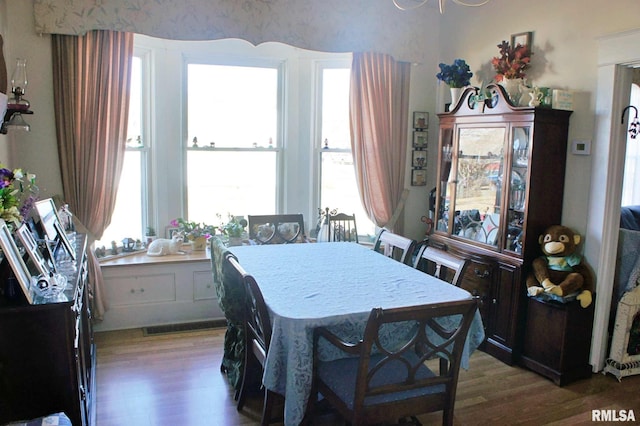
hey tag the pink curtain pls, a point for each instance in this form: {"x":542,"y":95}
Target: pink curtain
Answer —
{"x":379,"y":103}
{"x":91,"y":93}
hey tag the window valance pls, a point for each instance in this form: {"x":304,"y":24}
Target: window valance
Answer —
{"x":328,"y":25}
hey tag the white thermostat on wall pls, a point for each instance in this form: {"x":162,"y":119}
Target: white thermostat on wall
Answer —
{"x":581,"y":147}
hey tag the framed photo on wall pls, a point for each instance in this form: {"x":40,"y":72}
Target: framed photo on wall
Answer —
{"x":524,"y":39}
{"x":11,"y":252}
{"x":418,"y":177}
{"x":419,"y":159}
{"x":420,"y":120}
{"x":420,"y":138}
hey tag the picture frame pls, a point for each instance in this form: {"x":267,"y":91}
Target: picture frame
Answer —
{"x":420,"y":138}
{"x":419,"y":158}
{"x":420,"y":120}
{"x":31,"y":247}
{"x":19,"y":267}
{"x":525,"y":39}
{"x":418,"y":177}
{"x":62,"y":236}
{"x":170,"y":230}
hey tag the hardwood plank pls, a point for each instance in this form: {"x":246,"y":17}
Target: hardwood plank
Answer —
{"x":175,"y":379}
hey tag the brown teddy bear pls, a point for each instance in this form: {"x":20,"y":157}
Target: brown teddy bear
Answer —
{"x":561,"y":271}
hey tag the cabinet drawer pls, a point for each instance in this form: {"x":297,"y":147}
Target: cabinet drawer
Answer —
{"x":477,"y":278}
{"x":136,"y":290}
{"x":203,"y":287}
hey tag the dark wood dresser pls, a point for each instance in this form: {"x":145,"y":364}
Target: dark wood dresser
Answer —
{"x":47,"y":353}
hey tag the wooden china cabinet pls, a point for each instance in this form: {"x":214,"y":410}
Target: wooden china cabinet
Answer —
{"x":500,"y":183}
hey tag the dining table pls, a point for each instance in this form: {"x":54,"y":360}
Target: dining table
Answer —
{"x":335,"y":285}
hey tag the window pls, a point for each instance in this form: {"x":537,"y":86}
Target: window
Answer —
{"x":224,"y":127}
{"x":127,"y":217}
{"x":233,"y":131}
{"x":338,"y":186}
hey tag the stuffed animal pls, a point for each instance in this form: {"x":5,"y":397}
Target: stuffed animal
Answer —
{"x":163,"y":246}
{"x":561,"y":271}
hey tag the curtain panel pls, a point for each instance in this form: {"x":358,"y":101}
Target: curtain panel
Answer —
{"x":91,"y":75}
{"x":379,"y":104}
{"x":328,"y":25}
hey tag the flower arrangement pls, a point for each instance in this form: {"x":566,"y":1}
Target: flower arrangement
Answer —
{"x":18,"y":193}
{"x":193,"y":230}
{"x":513,"y":61}
{"x":455,"y":75}
{"x":234,"y":227}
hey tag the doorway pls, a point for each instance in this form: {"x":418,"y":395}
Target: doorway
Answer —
{"x":617,"y":54}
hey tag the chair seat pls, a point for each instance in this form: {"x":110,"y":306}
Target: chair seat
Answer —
{"x":340,"y":375}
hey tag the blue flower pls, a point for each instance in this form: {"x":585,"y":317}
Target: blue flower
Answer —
{"x":457,"y":74}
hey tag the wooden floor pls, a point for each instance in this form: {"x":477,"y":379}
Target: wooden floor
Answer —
{"x":175,"y":379}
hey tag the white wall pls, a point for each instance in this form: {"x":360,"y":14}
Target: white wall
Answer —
{"x":35,"y":151}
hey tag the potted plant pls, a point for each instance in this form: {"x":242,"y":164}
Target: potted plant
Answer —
{"x":234,"y":229}
{"x":456,"y":76}
{"x":150,"y":235}
{"x":510,"y":67}
{"x":195,"y":232}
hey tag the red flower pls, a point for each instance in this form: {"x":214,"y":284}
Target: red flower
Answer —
{"x":513,"y":61}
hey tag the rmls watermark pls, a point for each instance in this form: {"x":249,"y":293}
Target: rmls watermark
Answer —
{"x":613,"y":416}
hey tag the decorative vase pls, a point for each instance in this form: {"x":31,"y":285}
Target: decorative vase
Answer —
{"x":455,"y":96}
{"x":512,"y":87}
{"x":199,"y":243}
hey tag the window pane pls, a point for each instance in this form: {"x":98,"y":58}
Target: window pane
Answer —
{"x":232,"y":106}
{"x":338,"y":187}
{"x":230,"y":182}
{"x":335,"y":108}
{"x":126,"y":220}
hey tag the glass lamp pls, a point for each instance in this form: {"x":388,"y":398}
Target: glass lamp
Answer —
{"x":19,"y":86}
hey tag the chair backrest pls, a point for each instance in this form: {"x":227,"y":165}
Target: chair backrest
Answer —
{"x":441,"y":264}
{"x":257,"y":321}
{"x":401,"y":374}
{"x":395,"y":246}
{"x":438,"y":338}
{"x":277,"y":228}
{"x":342,"y":227}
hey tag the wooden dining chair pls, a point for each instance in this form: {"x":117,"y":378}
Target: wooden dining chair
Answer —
{"x":395,"y":246}
{"x":441,"y":264}
{"x":342,"y":227}
{"x":257,"y":337}
{"x":277,"y":228}
{"x":379,"y":380}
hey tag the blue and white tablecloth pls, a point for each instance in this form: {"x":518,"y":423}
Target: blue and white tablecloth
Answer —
{"x":333,"y":285}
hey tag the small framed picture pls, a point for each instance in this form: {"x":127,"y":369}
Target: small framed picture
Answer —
{"x":62,"y":236}
{"x":523,"y":39}
{"x":31,"y":247}
{"x":419,"y":159}
{"x":170,"y":231}
{"x":11,"y":252}
{"x":420,"y":138}
{"x":418,"y":177}
{"x":420,"y":120}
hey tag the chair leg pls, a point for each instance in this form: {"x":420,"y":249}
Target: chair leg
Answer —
{"x":267,"y":407}
{"x":247,"y":381}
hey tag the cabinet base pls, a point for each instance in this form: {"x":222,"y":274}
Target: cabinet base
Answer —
{"x":559,"y":378}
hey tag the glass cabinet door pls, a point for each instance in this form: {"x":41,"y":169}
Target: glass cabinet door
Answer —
{"x":478,"y":184}
{"x":445,"y":180}
{"x":520,"y":142}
